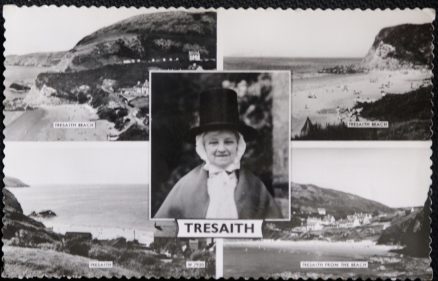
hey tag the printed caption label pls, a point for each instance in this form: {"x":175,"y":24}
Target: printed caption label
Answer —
{"x":74,"y":125}
{"x":220,"y":228}
{"x":195,"y":264}
{"x":334,"y":264}
{"x":368,"y":124}
{"x":100,"y":264}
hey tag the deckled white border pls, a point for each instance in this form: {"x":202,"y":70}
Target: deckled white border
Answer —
{"x":219,"y":61}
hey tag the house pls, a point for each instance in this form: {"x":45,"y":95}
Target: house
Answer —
{"x":194,"y":56}
{"x":321,"y":211}
{"x":314,"y":223}
{"x":359,"y":219}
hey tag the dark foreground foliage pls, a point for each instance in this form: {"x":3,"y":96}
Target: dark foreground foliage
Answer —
{"x":409,"y":116}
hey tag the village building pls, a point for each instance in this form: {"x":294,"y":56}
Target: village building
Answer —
{"x":314,"y":223}
{"x":194,"y":56}
{"x":359,"y":219}
{"x":321,"y":211}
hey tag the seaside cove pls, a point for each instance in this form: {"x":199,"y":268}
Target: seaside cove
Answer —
{"x":274,"y":258}
{"x":106,"y":211}
{"x":330,"y":98}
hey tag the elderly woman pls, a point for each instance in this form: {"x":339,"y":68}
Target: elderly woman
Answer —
{"x":220,"y":188}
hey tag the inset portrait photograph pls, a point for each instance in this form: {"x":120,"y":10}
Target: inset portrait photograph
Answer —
{"x":219,"y":145}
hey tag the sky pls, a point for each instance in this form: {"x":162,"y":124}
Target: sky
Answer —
{"x":396,"y":177}
{"x":78,"y":162}
{"x":308,"y":33}
{"x":51,"y":28}
{"x":299,"y":33}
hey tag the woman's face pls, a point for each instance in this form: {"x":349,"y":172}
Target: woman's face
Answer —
{"x":221,"y":147}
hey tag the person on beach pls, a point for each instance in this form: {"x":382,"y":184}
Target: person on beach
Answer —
{"x":220,"y":188}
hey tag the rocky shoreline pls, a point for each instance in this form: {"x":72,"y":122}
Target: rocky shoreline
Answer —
{"x":24,"y":234}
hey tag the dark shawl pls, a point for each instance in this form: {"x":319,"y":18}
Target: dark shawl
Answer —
{"x":189,"y":198}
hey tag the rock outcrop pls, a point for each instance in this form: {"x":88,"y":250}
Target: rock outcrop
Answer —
{"x":156,"y":36}
{"x":19,"y":87}
{"x":13,"y":182}
{"x":401,"y":46}
{"x":412,"y":231}
{"x":43,"y":214}
{"x":26,"y":231}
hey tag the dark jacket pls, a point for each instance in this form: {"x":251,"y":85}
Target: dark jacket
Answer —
{"x":189,"y":198}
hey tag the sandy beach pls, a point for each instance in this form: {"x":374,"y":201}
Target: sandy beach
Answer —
{"x":319,"y":97}
{"x":282,"y":259}
{"x":37,"y":125}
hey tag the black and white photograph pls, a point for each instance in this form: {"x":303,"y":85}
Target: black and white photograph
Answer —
{"x":88,"y":202}
{"x":362,"y":205}
{"x":219,"y":145}
{"x":85,"y":78}
{"x":357,"y":75}
{"x":208,"y":143}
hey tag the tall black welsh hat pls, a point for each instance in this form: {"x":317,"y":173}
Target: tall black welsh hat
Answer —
{"x":218,"y":110}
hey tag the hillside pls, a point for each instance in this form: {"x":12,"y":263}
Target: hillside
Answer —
{"x":413,"y":105}
{"x":412,"y":231}
{"x":32,"y":250}
{"x":307,"y":198}
{"x":13,"y":182}
{"x":145,"y":37}
{"x":401,"y":46}
{"x":35,"y":59}
{"x":28,"y":262}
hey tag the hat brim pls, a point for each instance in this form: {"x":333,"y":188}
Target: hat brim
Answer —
{"x":248,"y":132}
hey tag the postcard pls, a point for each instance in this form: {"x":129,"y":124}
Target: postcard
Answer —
{"x":217,"y":143}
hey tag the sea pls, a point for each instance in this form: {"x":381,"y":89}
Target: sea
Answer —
{"x":21,"y":74}
{"x":107,"y":211}
{"x":300,"y":67}
{"x":267,"y":257}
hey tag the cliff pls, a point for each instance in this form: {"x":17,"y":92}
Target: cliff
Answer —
{"x":401,"y":46}
{"x":307,"y":198}
{"x":35,"y":59}
{"x":412,"y":231}
{"x":145,"y":37}
{"x":18,"y":226}
{"x":13,"y":182}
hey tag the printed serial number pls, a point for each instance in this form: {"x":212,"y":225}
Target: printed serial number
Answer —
{"x":195,"y":264}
